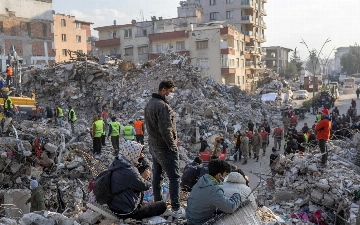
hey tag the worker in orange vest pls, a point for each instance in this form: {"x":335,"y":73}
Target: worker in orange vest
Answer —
{"x":9,"y":73}
{"x":277,"y":135}
{"x":139,"y":129}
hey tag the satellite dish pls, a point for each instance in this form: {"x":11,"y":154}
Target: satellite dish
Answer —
{"x":114,"y":22}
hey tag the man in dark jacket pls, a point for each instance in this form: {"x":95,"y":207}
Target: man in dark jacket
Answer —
{"x":204,"y":144}
{"x":305,"y":129}
{"x":291,"y":146}
{"x":130,"y":174}
{"x":251,"y":126}
{"x":161,"y":127}
{"x":37,"y":197}
{"x":237,"y":140}
{"x":191,"y":174}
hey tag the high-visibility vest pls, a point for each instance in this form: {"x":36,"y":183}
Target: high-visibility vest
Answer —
{"x":74,"y":117}
{"x":128,"y":132}
{"x":10,"y":71}
{"x":61,"y":113}
{"x":306,"y":138}
{"x":115,"y":129}
{"x":138,"y":127}
{"x":318,"y":117}
{"x":8,"y":102}
{"x":99,"y":128}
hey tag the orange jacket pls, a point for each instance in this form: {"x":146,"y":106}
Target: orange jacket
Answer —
{"x":323,"y":129}
{"x":138,"y":126}
{"x":9,"y":71}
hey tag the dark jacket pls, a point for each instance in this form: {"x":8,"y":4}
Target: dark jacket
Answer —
{"x":251,"y":126}
{"x":190,"y":176}
{"x":204,"y":145}
{"x":273,"y":156}
{"x":204,"y":170}
{"x":49,"y":113}
{"x":160,"y":123}
{"x":126,"y":178}
{"x":37,"y":199}
{"x":305,"y":129}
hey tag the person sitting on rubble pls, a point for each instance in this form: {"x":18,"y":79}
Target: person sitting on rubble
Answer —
{"x":291,"y":146}
{"x":191,"y":174}
{"x":273,"y":157}
{"x":236,"y":183}
{"x":300,"y":139}
{"x":305,"y":128}
{"x":217,"y":148}
{"x":335,"y":111}
{"x":292,"y":131}
{"x":37,"y":197}
{"x":204,"y":145}
{"x":207,"y":195}
{"x":131,"y":171}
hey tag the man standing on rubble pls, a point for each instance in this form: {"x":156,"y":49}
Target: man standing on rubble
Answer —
{"x":59,"y":115}
{"x":97,"y":131}
{"x":277,"y":135}
{"x":323,"y":129}
{"x":114,"y":132}
{"x":129,"y":132}
{"x":8,"y":107}
{"x":9,"y":73}
{"x":249,"y":134}
{"x":264,"y":139}
{"x":256,"y":143}
{"x":72,"y":118}
{"x":139,"y":127}
{"x":244,"y":147}
{"x":286,"y":123}
{"x":161,"y":127}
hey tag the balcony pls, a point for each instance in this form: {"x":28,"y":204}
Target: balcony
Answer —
{"x":107,"y":43}
{"x":263,"y":12}
{"x":251,"y":50}
{"x":249,"y":65}
{"x":228,"y":70}
{"x":263,"y":24}
{"x":263,"y":38}
{"x":247,"y":20}
{"x":247,"y":56}
{"x":247,"y":4}
{"x":156,"y":55}
{"x":168,"y":35}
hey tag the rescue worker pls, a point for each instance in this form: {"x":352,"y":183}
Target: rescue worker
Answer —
{"x":8,"y":106}
{"x":103,"y":136}
{"x":9,"y":73}
{"x":37,"y":197}
{"x":104,"y":117}
{"x":249,"y":134}
{"x":286,"y":123}
{"x":237,"y":142}
{"x":72,"y":118}
{"x":264,"y":139}
{"x":318,"y":117}
{"x":244,"y":146}
{"x":97,"y":131}
{"x":293,"y":120}
{"x":114,"y":132}
{"x":139,"y":127}
{"x":277,"y":135}
{"x":323,"y":129}
{"x":129,"y":132}
{"x":59,"y":115}
{"x":256,"y":143}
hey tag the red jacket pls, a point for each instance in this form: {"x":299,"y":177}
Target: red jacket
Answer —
{"x":264,"y":135}
{"x":323,"y":129}
{"x":293,"y":119}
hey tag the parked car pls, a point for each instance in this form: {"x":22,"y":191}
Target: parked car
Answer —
{"x":302,"y":94}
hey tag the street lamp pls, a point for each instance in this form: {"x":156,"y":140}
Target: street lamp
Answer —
{"x":312,"y":61}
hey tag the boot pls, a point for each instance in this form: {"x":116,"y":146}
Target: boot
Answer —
{"x":257,"y":159}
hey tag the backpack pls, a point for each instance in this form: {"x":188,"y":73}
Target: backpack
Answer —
{"x":102,"y":187}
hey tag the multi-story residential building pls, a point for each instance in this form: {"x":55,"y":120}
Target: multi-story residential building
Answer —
{"x":26,"y":27}
{"x":248,"y":17}
{"x":70,"y":34}
{"x":276,"y":58}
{"x":338,"y":54}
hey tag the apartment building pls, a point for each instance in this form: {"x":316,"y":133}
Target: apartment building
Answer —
{"x":26,"y":27}
{"x":276,"y":58}
{"x":338,"y":54}
{"x":248,"y":17}
{"x":70,"y":34}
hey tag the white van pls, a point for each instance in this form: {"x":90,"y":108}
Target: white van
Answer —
{"x":341,"y":78}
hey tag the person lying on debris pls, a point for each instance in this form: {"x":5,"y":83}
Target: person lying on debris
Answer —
{"x":207,"y":195}
{"x":191,"y":175}
{"x":236,"y":183}
{"x":131,"y":171}
{"x":37,"y":197}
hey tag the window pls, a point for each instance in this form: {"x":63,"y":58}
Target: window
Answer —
{"x":44,"y":26}
{"x":64,"y":52}
{"x":142,"y":50}
{"x":202,"y":44}
{"x":242,"y":63}
{"x":212,"y":2}
{"x":129,"y":51}
{"x":78,"y":25}
{"x":238,"y":80}
{"x":63,"y":22}
{"x":237,"y":62}
{"x":128,"y":33}
{"x":213,"y":16}
{"x":78,"y":38}
{"x":229,"y":14}
{"x":144,"y":32}
{"x":159,"y":48}
{"x":202,"y":63}
{"x":63,"y":37}
{"x":180,"y":45}
{"x":113,"y":51}
{"x":224,"y":61}
{"x":232,"y":62}
{"x":243,"y":79}
{"x":229,"y":1}
{"x":114,"y":34}
{"x":80,"y":51}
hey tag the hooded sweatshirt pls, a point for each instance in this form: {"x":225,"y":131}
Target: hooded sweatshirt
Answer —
{"x":207,"y":196}
{"x":126,"y":178}
{"x":323,"y":129}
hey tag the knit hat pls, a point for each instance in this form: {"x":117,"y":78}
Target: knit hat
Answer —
{"x":325,"y":111}
{"x":131,"y":151}
{"x":33,"y":184}
{"x":235,"y":177}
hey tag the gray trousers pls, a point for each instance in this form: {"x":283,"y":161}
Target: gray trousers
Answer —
{"x":277,"y":141}
{"x":115,"y":141}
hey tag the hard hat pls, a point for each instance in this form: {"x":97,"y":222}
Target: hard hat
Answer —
{"x":325,"y":111}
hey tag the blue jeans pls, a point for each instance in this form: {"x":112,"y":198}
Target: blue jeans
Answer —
{"x":167,"y":160}
{"x":60,"y":121}
{"x":237,"y":151}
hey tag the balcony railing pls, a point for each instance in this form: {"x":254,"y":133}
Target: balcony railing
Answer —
{"x":250,"y":33}
{"x":250,"y":49}
{"x":249,"y":64}
{"x":246,"y":18}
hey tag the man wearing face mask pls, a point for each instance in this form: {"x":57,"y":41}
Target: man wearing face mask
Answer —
{"x":277,"y":135}
{"x":207,"y":195}
{"x":161,"y":127}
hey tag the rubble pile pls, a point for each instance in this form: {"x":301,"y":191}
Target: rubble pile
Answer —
{"x":305,"y":190}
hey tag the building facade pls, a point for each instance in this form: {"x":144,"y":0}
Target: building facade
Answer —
{"x":276,"y":58}
{"x":338,"y":54}
{"x":70,"y":34}
{"x":26,"y":27}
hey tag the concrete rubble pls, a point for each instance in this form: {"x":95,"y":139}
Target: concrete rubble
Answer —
{"x":64,"y":166}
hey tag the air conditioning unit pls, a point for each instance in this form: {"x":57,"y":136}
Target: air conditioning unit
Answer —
{"x":198,"y":68}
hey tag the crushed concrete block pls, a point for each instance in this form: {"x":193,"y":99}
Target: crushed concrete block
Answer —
{"x":317,"y":196}
{"x":17,"y":197}
{"x":284,"y":196}
{"x":7,"y":221}
{"x":325,"y":187}
{"x":313,"y":168}
{"x":299,"y":202}
{"x":15,"y":167}
{"x":328,"y":200}
{"x":50,"y":147}
{"x":90,"y":217}
{"x":32,"y":218}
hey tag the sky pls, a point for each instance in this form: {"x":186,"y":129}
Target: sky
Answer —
{"x":287,"y":21}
